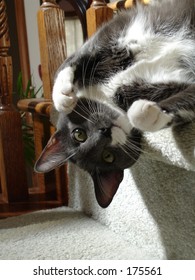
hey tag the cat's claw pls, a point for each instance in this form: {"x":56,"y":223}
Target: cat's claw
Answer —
{"x":63,"y":95}
{"x":147,"y":116}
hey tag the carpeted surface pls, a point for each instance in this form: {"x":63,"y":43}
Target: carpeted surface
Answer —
{"x":62,"y":233}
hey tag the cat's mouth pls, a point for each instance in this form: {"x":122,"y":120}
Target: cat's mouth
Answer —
{"x":106,"y":185}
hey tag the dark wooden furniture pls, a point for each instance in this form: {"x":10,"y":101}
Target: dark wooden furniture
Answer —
{"x":13,"y":180}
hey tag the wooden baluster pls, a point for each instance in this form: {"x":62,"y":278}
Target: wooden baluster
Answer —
{"x":12,"y":165}
{"x":22,"y":41}
{"x":97,"y":14}
{"x":51,"y":27}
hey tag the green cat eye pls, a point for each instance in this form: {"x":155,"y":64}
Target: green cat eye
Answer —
{"x":108,"y":156}
{"x":79,"y":135}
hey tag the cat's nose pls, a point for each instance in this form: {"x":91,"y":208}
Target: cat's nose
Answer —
{"x":106,"y":131}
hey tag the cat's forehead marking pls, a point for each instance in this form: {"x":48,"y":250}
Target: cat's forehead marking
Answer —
{"x":118,"y":136}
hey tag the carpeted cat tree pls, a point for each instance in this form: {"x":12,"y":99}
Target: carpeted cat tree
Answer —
{"x":152,"y":215}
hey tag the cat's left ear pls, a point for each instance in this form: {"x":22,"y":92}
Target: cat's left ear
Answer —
{"x":106,"y":185}
{"x":52,"y":156}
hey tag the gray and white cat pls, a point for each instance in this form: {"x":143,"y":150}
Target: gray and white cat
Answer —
{"x":136,"y":74}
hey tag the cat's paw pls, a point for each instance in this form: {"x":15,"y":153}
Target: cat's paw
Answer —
{"x":148,"y":116}
{"x":63,"y":95}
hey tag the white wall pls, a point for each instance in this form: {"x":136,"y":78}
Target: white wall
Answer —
{"x":74,"y":35}
{"x":31,"y":8}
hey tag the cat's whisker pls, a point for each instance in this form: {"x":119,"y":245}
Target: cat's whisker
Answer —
{"x":87,"y":119}
{"x":84,"y":108}
{"x":128,"y":151}
{"x":92,"y":109}
{"x":84,"y":70}
{"x":133,"y":148}
{"x":73,"y":153}
{"x":92,"y":74}
{"x":141,"y":149}
{"x":91,"y":82}
{"x":100,"y":108}
{"x":132,"y":144}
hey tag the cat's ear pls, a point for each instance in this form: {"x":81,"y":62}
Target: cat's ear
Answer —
{"x":106,"y":184}
{"x":52,"y":155}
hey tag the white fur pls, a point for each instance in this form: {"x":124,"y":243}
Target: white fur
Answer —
{"x":147,"y":116}
{"x":121,"y":128}
{"x":123,"y":122}
{"x":118,"y":136}
{"x":64,"y":97}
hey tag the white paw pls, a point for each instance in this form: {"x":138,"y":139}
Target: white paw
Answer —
{"x":63,"y":95}
{"x":147,"y":116}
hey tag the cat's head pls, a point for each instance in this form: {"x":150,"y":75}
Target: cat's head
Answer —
{"x":99,"y":140}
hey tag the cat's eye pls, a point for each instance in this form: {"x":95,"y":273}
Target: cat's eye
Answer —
{"x":108,"y":157}
{"x":79,"y":135}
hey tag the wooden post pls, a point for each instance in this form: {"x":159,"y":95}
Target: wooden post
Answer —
{"x":12,"y":165}
{"x":51,"y":27}
{"x":22,"y":42}
{"x":52,"y":41}
{"x":97,"y":14}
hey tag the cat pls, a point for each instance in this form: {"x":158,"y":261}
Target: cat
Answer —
{"x":136,"y":74}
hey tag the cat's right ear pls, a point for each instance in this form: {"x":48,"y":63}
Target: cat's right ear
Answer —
{"x":52,"y":156}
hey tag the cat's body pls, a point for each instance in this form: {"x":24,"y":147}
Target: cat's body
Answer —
{"x":136,"y":74}
{"x":145,"y":53}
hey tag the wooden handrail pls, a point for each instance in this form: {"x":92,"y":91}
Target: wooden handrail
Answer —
{"x":125,"y":4}
{"x":40,"y":106}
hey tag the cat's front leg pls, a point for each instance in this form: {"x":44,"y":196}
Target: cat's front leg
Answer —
{"x":63,"y":95}
{"x":147,"y":116}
